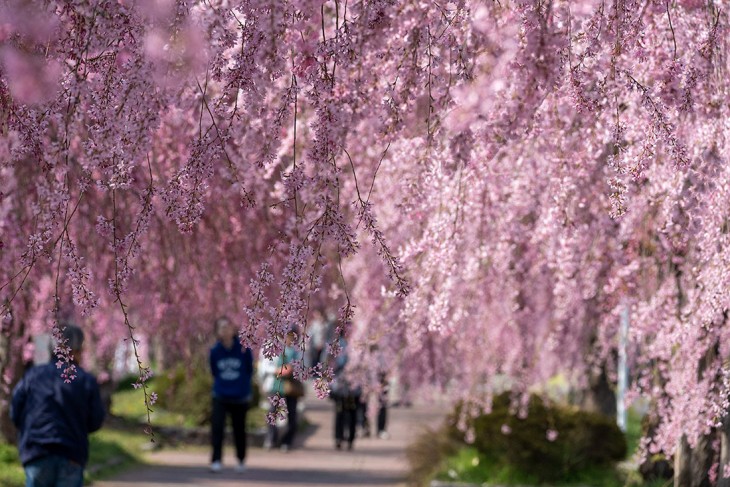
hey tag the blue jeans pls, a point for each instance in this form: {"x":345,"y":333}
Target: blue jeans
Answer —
{"x":53,"y":471}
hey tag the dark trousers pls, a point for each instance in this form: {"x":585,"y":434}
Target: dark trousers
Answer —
{"x":362,"y":417}
{"x":383,"y":404}
{"x":345,"y":417}
{"x":237,"y":411}
{"x":291,"y":426}
{"x":382,"y":416}
{"x":316,"y":356}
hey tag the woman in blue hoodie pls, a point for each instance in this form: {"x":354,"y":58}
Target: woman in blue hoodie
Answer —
{"x":232,"y":368}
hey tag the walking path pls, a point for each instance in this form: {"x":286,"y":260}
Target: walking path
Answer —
{"x":313,"y":462}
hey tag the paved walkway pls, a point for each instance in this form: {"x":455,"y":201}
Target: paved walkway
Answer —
{"x":313,"y":462}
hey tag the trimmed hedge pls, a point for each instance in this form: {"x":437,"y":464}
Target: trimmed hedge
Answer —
{"x":584,"y":439}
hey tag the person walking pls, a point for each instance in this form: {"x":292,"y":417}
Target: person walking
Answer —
{"x":347,"y":400}
{"x":383,"y":405}
{"x":277,"y":378}
{"x":54,"y":417}
{"x":232,"y":369}
{"x":317,"y":331}
{"x":381,"y":371}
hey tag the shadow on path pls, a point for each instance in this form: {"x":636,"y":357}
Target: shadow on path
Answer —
{"x":182,"y":475}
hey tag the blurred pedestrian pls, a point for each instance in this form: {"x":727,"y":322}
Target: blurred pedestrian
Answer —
{"x":54,"y":418}
{"x":378,"y":368}
{"x":381,"y":371}
{"x":277,"y":378}
{"x":317,"y":338}
{"x":383,"y":406}
{"x":232,"y":368}
{"x":363,"y":422}
{"x":346,"y":398}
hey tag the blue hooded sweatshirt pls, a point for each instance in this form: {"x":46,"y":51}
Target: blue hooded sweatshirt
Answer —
{"x":232,"y":370}
{"x":54,"y":417}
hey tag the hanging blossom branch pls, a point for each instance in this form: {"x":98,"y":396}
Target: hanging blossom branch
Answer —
{"x":247,"y":200}
{"x":35,"y":248}
{"x":661,"y":123}
{"x":364,"y":210}
{"x":63,"y":353}
{"x":117,"y":285}
{"x":81,"y":294}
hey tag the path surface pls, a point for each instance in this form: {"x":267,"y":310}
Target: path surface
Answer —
{"x":313,"y":462}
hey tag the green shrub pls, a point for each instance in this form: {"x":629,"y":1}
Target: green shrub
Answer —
{"x":186,"y":392}
{"x":428,"y":453}
{"x":584,"y":440}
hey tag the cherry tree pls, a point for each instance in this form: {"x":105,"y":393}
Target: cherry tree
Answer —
{"x":523,"y":169}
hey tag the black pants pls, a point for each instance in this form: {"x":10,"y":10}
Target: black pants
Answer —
{"x":345,"y":417}
{"x":382,"y":416}
{"x":291,"y":426}
{"x":362,"y":416}
{"x":237,"y":411}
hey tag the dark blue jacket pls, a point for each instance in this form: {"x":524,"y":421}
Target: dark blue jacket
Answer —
{"x":54,"y":417}
{"x":232,"y":370}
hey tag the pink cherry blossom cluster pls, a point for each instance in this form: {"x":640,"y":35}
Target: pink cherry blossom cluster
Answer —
{"x":278,"y":409}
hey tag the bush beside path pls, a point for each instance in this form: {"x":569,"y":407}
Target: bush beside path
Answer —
{"x":313,"y":462}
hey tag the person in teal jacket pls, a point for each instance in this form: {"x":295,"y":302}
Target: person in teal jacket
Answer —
{"x":274,"y":373}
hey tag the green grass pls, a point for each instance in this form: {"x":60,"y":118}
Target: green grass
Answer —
{"x":633,"y":431}
{"x":469,"y":466}
{"x":110,"y":451}
{"x":128,"y":404}
{"x":11,"y":472}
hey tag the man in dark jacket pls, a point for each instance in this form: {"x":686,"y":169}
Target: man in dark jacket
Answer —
{"x":54,"y":419}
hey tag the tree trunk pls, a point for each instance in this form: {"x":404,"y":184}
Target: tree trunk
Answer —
{"x":682,"y":461}
{"x":724,"y":433}
{"x":653,"y":467}
{"x":158,"y":353}
{"x":600,"y":397}
{"x":692,"y":465}
{"x":11,"y":370}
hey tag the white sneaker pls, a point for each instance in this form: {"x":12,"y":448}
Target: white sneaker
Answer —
{"x":216,"y":467}
{"x":240,"y":468}
{"x":284,"y":448}
{"x":383,"y":435}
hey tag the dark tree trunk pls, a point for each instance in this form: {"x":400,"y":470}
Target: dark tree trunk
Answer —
{"x":724,"y":433}
{"x":682,"y":463}
{"x":11,"y":366}
{"x":692,"y":465}
{"x":653,"y":467}
{"x":600,"y":396}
